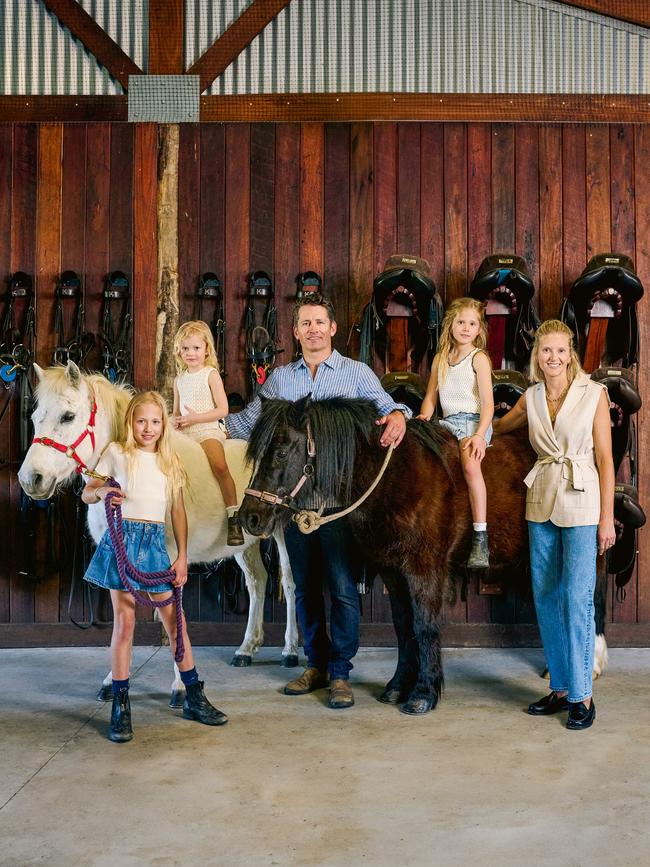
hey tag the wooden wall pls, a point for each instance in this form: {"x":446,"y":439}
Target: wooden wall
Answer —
{"x":335,"y":198}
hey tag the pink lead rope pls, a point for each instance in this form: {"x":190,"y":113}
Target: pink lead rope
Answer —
{"x":128,"y":572}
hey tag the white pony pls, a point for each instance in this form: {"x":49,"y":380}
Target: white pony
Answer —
{"x":64,"y":417}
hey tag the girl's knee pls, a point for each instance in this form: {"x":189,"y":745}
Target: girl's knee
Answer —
{"x":124,"y":625}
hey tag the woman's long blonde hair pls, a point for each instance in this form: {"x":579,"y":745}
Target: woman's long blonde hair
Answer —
{"x":447,"y":341}
{"x":202,"y":329}
{"x":166,"y":457}
{"x":554,"y":326}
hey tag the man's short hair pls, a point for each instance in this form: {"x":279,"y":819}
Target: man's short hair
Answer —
{"x":313,"y":299}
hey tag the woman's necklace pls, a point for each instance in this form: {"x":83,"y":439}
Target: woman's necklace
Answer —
{"x":555,"y":403}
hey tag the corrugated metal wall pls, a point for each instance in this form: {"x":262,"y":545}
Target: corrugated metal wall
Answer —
{"x":312,"y":46}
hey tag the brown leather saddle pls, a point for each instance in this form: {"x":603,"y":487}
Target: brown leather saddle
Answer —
{"x":504,"y":284}
{"x":601,"y":311}
{"x":629,"y":517}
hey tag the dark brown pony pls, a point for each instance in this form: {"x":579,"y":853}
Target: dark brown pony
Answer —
{"x":415,"y":526}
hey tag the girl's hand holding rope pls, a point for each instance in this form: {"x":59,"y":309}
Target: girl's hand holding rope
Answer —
{"x":180,"y":568}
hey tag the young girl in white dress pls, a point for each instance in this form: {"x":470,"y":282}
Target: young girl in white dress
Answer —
{"x":199,"y":402}
{"x":461,"y":376}
{"x":151,"y":481}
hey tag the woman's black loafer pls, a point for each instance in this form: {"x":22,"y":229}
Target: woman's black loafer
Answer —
{"x":551,"y":703}
{"x":580,"y":716}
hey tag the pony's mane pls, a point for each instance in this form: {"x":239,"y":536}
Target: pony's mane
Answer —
{"x":114,"y":398}
{"x":338,"y":425}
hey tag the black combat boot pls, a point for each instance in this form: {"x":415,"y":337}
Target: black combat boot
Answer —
{"x":120,"y":730}
{"x":479,"y":556}
{"x":196,"y":706}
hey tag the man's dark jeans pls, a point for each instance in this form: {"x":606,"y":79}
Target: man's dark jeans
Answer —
{"x":332,"y":546}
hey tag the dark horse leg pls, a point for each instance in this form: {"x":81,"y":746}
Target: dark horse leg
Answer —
{"x":402,"y":682}
{"x":424,"y":696}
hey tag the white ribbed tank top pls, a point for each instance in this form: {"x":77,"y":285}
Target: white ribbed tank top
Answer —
{"x":194,"y":391}
{"x":458,"y":392}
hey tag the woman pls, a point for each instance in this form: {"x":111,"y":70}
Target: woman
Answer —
{"x":570,"y":513}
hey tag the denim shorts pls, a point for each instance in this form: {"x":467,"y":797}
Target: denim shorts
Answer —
{"x":145,"y":547}
{"x":464,"y":424}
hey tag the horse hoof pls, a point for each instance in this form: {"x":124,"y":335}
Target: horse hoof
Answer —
{"x":417,"y":706}
{"x":241,"y":660}
{"x":177,"y":698}
{"x":391,"y":696}
{"x":545,"y":674}
{"x":105,"y":692}
{"x":290,"y":660}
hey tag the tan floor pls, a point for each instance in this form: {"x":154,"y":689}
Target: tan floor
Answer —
{"x":290,"y":782}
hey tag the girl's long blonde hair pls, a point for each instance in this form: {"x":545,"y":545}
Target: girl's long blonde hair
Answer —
{"x":446,"y":342}
{"x":195,"y":326}
{"x":166,"y":457}
{"x":554,"y":326}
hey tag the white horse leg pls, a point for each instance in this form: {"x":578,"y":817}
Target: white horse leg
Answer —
{"x":290,"y":650}
{"x":105,"y":691}
{"x":255,"y":574}
{"x":601,"y":656}
{"x":177,"y":696}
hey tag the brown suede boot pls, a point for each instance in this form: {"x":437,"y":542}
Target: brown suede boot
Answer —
{"x":309,"y":680}
{"x":341,"y":694}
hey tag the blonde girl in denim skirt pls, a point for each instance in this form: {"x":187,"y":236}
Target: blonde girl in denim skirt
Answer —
{"x":151,"y":481}
{"x":461,"y":376}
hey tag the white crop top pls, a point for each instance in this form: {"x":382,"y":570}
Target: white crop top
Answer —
{"x":458,"y":392}
{"x":146,"y":492}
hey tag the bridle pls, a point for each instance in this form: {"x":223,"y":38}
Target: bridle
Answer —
{"x":70,"y":451}
{"x":286,"y":501}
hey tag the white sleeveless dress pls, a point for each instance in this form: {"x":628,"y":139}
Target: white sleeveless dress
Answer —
{"x":194,"y":391}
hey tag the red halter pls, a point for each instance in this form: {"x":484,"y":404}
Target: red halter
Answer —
{"x":70,"y":451}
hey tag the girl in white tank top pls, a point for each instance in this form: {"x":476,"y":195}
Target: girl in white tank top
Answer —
{"x":199,"y":402}
{"x":461,"y":376}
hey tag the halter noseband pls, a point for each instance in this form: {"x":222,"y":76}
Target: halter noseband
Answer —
{"x":307,"y":472}
{"x":70,"y":451}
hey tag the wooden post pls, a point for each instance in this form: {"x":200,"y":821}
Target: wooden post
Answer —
{"x":167,"y":308}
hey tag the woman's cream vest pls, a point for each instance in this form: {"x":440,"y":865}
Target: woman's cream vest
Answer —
{"x":563,"y":486}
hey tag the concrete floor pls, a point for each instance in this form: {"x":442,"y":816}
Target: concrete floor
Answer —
{"x":290,"y":782}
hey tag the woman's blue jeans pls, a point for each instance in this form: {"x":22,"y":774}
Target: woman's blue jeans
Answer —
{"x":563,"y":568}
{"x":332,"y":550}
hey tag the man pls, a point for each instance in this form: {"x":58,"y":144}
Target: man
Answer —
{"x":323,"y":373}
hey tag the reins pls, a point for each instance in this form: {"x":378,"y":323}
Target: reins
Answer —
{"x":309,"y":520}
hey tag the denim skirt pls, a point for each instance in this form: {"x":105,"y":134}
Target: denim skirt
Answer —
{"x":145,"y":547}
{"x":465,"y":424}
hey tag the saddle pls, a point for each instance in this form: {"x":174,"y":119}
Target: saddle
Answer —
{"x":405,"y":388}
{"x":403,"y":318}
{"x":601,"y":311}
{"x":503,"y":283}
{"x":625,"y":401}
{"x":209,"y":289}
{"x":629,"y":517}
{"x":507,"y":387}
{"x":261,"y":329}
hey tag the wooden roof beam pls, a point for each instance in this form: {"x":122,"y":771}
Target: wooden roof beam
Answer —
{"x":237,"y":37}
{"x":84,"y":28}
{"x":632,"y":11}
{"x":166,"y":35}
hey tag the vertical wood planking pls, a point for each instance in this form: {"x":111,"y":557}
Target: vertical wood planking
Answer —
{"x":120,"y":250}
{"x":550,"y":220}
{"x":599,"y":235}
{"x":211,"y":195}
{"x":455,"y":185}
{"x":97,"y":228}
{"x":527,"y":200}
{"x":385,"y":193}
{"x":262,"y":240}
{"x":432,"y":192}
{"x":622,"y":189}
{"x":287,"y":225}
{"x":361,"y":218}
{"x":479,"y":198}
{"x":574,"y":204}
{"x":145,"y":253}
{"x":237,"y":244}
{"x":503,"y":188}
{"x":312,"y":164}
{"x":408,"y":188}
{"x":48,"y":266}
{"x":189,"y":225}
{"x":642,"y":260}
{"x":7,"y":429}
{"x":336,"y":225}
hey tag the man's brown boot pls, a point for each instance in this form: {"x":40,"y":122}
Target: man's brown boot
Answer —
{"x":309,"y":680}
{"x":341,"y":694}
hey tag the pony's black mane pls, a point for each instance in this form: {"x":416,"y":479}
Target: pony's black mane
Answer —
{"x":338,"y":425}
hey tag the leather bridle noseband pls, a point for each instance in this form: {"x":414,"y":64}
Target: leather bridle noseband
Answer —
{"x":286,"y":501}
{"x":71,"y":450}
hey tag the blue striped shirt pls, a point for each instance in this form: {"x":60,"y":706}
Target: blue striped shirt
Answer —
{"x":337,"y":376}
